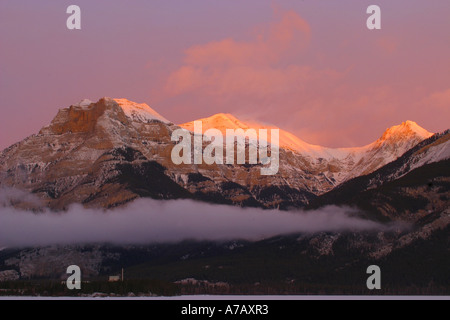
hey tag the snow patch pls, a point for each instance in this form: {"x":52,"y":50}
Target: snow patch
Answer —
{"x":140,"y":112}
{"x":84,"y":104}
{"x":434,"y":154}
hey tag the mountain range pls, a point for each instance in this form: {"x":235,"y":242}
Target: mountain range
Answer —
{"x":109,"y":152}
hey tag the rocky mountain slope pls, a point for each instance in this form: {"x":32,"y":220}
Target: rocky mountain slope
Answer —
{"x":409,"y":188}
{"x":413,"y":189}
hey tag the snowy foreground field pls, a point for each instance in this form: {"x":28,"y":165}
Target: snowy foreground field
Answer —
{"x":234,"y":298}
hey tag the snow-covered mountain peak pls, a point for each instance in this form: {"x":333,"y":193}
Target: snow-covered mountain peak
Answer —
{"x":224,"y":121}
{"x":287,"y":140}
{"x":139,"y":112}
{"x":406,"y":130}
{"x":220,"y":121}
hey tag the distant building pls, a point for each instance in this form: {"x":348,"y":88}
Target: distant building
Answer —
{"x":114,"y":278}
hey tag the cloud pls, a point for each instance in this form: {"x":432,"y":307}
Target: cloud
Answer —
{"x":254,"y":68}
{"x":269,"y":71}
{"x":147,"y":221}
{"x":330,"y":91}
{"x":268,"y":46}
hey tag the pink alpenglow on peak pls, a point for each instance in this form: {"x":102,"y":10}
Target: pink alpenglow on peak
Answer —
{"x":224,"y":130}
{"x":406,"y":129}
{"x":224,"y":121}
{"x":352,"y":162}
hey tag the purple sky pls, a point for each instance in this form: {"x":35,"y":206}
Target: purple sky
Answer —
{"x":310,"y":67}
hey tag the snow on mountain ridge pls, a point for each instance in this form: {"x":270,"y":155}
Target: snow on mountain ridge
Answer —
{"x":139,"y":112}
{"x":83,"y":103}
{"x":435,"y":152}
{"x":402,"y":136}
{"x":343,"y":163}
{"x":223,"y":121}
{"x":336,"y":164}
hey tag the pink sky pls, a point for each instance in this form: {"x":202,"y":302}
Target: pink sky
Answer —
{"x":309,"y":67}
